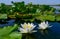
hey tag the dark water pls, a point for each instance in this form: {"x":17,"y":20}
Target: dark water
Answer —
{"x":52,"y":33}
{"x":8,"y":23}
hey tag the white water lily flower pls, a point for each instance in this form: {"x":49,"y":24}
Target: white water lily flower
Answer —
{"x":44,"y":25}
{"x":27,"y":28}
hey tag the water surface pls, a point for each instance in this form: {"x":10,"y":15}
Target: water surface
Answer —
{"x":53,"y":32}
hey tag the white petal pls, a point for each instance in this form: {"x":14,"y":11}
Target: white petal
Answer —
{"x":22,"y":25}
{"x":43,"y":25}
{"x":47,"y":22}
{"x":32,"y":28}
{"x":27,"y":27}
{"x":23,"y":30}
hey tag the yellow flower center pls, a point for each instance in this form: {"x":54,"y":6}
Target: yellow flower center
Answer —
{"x":29,"y":26}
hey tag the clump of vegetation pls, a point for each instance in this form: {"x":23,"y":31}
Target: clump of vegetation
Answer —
{"x":58,"y":17}
{"x":30,"y":11}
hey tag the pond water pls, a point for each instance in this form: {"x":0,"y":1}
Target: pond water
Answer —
{"x":57,"y":8}
{"x":53,"y":32}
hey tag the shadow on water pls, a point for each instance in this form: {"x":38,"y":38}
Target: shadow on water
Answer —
{"x":51,"y":33}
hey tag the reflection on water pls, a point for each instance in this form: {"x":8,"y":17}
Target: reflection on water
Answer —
{"x":51,"y":33}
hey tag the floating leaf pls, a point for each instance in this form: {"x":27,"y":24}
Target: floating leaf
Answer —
{"x":3,"y":16}
{"x":16,"y":35}
{"x":7,"y":30}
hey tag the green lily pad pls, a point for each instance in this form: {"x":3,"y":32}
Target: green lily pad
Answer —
{"x":3,"y":16}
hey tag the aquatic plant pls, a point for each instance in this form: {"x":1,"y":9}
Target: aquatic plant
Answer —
{"x":57,"y":17}
{"x":26,"y":31}
{"x":3,"y":16}
{"x":27,"y":28}
{"x":26,"y":11}
{"x":8,"y":32}
{"x":44,"y":25}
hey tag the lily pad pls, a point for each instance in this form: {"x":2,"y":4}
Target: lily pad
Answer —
{"x":3,"y":16}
